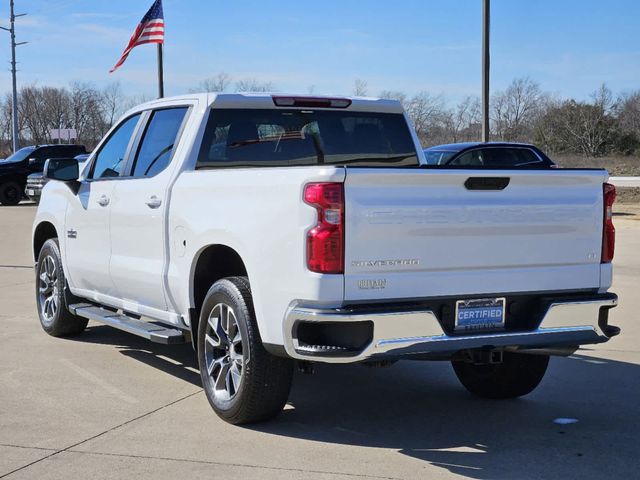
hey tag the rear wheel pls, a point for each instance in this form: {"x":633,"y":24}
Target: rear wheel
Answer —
{"x":10,"y":193}
{"x":243,"y":382}
{"x":51,"y":296}
{"x":518,"y":374}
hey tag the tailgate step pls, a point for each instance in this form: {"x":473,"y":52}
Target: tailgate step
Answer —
{"x":148,"y":330}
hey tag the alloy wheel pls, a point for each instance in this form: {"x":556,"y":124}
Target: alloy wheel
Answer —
{"x":48,"y":289}
{"x":223,"y":351}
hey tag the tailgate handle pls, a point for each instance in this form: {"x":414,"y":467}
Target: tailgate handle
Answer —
{"x":486,"y":183}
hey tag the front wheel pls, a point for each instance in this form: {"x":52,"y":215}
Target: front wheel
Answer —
{"x":51,"y":297}
{"x":518,"y":374}
{"x":10,"y":193}
{"x":243,"y":382}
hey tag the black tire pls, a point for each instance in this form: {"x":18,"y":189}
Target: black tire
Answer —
{"x":264,"y":381}
{"x":52,"y":295}
{"x":518,"y":374}
{"x":10,"y":193}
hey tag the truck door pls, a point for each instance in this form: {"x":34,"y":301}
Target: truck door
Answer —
{"x":87,"y":220}
{"x":138,"y":227}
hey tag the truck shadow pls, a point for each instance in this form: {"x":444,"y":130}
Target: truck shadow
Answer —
{"x":418,"y":409}
{"x":177,"y":360}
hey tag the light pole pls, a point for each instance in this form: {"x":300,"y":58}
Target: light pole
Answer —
{"x":14,"y":98}
{"x":485,"y":69}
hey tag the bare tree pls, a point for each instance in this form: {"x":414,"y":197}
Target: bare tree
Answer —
{"x":463,"y":123}
{"x":627,"y":109}
{"x":217,"y":83}
{"x":427,"y":114}
{"x":113,"y":102}
{"x":360,"y":88}
{"x":515,"y":109}
{"x":253,"y":85}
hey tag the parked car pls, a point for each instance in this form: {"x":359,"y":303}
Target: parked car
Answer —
{"x":15,"y":169}
{"x":36,"y":181}
{"x":488,"y":155}
{"x":273,"y":229}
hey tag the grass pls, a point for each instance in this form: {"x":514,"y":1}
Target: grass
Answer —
{"x":617,"y":165}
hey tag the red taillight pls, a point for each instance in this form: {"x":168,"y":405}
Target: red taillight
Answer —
{"x":325,"y":241}
{"x":608,"y":230}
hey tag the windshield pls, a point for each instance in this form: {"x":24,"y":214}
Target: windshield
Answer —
{"x":437,"y":157}
{"x":279,"y":137}
{"x":20,"y":155}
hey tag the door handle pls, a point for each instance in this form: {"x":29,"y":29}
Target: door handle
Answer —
{"x":103,"y":201}
{"x":154,"y":202}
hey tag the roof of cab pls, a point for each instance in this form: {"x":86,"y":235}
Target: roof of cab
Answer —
{"x":265,"y":100}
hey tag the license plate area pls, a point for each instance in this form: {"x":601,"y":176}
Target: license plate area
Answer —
{"x":480,"y":315}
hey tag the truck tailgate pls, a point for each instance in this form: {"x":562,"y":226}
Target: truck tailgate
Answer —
{"x":415,"y":233}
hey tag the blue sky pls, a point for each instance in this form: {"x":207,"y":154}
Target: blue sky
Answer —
{"x":568,"y":46}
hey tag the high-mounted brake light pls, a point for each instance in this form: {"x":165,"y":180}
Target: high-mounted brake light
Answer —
{"x":311,"y":102}
{"x":325,"y":241}
{"x":608,"y":230}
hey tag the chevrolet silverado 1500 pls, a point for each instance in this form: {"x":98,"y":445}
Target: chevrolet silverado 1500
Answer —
{"x":274,"y":229}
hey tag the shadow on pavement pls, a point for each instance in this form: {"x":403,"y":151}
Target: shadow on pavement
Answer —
{"x":418,"y":409}
{"x":153,"y":354}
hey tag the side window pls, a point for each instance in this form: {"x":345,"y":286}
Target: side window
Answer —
{"x":154,"y":153}
{"x":109,"y":161}
{"x":472,"y":158}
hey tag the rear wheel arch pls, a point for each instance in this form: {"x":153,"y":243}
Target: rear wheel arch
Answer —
{"x":43,"y":232}
{"x":212,"y":263}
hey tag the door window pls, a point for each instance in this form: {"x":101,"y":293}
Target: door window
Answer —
{"x":110,"y":160}
{"x":158,"y":142}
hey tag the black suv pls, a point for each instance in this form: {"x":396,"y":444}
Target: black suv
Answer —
{"x":15,"y":169}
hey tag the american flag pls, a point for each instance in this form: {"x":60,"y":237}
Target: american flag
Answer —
{"x":149,"y":30}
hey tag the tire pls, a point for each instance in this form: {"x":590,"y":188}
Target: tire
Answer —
{"x":10,"y":193}
{"x":243,"y":382}
{"x":518,"y":374}
{"x":51,"y":294}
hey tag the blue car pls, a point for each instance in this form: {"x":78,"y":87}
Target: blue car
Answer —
{"x":487,"y":155}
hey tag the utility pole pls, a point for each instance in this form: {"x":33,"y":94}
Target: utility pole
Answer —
{"x":485,"y":68}
{"x":14,"y":100}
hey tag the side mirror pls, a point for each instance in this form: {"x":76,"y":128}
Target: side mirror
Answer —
{"x":32,"y":162}
{"x":61,"y":169}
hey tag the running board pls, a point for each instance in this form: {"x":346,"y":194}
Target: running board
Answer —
{"x":148,"y":330}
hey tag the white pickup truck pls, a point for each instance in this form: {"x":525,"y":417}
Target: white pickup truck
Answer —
{"x":273,"y":229}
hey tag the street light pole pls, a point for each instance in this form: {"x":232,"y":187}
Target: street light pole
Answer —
{"x":14,"y":98}
{"x":485,"y":69}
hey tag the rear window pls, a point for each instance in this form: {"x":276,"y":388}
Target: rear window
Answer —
{"x":283,"y":137}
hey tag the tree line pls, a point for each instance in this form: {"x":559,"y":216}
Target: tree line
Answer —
{"x":602,"y":125}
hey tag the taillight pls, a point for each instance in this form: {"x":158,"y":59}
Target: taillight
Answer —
{"x":325,"y":241}
{"x":608,"y":230}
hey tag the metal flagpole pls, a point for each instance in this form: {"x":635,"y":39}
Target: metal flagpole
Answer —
{"x":14,"y":93}
{"x":160,"y":73}
{"x":485,"y":69}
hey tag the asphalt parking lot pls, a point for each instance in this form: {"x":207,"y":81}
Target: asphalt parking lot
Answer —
{"x":109,"y":405}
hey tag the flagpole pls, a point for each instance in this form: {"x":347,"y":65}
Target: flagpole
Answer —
{"x":160,"y":72}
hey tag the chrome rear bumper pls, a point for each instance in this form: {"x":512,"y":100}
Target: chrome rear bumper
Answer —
{"x":405,"y":333}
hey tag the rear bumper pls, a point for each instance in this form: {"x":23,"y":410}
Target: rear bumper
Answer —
{"x":401,"y":332}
